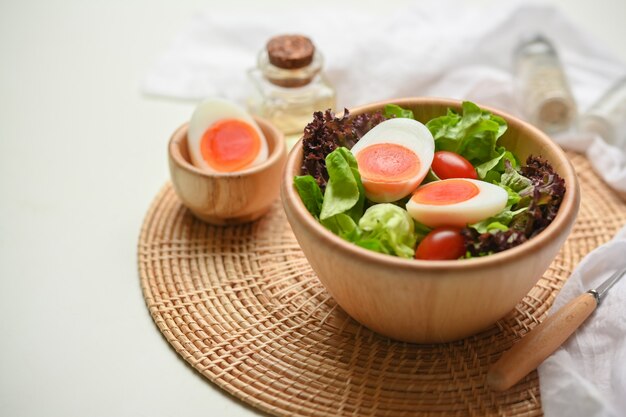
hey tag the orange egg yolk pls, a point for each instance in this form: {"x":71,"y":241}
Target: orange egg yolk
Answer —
{"x":441,"y":193}
{"x":388,"y":162}
{"x":230,"y":145}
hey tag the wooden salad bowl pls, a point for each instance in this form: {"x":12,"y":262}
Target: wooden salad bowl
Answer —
{"x":433,"y":301}
{"x":229,"y":198}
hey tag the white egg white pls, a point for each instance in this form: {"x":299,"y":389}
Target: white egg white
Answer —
{"x":489,"y":201}
{"x":206,"y":114}
{"x":408,"y":133}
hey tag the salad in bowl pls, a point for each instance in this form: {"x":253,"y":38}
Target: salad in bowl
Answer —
{"x":446,"y":189}
{"x":428,"y":219}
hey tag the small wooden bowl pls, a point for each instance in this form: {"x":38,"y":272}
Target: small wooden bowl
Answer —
{"x":230,"y":198}
{"x":433,"y":301}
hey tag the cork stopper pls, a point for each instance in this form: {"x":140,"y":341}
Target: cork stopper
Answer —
{"x":290,"y":51}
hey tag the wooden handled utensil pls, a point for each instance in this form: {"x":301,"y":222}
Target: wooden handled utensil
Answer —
{"x":546,"y":337}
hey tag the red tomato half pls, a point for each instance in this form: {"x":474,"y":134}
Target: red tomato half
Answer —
{"x":441,"y":244}
{"x":451,"y":165}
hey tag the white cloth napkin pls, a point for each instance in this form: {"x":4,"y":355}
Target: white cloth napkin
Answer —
{"x":440,"y":49}
{"x":587,"y":375}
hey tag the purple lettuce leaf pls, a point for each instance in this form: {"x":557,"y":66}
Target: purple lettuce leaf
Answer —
{"x":543,"y":200}
{"x":326,"y":132}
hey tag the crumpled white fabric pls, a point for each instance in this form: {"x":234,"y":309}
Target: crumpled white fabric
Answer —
{"x":587,"y":375}
{"x":445,"y":49}
{"x":433,"y":48}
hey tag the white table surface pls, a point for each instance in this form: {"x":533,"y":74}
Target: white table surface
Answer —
{"x":82,"y":154}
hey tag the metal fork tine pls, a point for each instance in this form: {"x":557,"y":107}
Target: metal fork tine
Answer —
{"x":606,"y":285}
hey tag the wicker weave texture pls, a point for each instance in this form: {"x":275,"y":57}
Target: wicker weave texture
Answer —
{"x":243,"y":307}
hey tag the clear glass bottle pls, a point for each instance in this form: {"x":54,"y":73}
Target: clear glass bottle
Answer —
{"x":542,"y":89}
{"x":607,"y":116}
{"x":288,"y":84}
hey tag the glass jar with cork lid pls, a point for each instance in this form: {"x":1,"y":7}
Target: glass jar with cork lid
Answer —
{"x":288,"y":84}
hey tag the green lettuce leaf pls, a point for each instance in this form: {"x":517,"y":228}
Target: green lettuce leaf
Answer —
{"x":388,"y":229}
{"x":493,"y":177}
{"x":344,"y":191}
{"x":496,"y":166}
{"x":514,"y":196}
{"x":519,"y":190}
{"x":343,"y":226}
{"x":310,"y":193}
{"x":342,"y":205}
{"x":393,"y":110}
{"x":421,"y":230}
{"x":515,"y":181}
{"x":483,"y":169}
{"x":498,"y":222}
{"x":472,"y":134}
{"x":518,"y":187}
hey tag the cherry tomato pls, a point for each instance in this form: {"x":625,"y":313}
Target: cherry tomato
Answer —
{"x":451,"y":165}
{"x":441,"y":244}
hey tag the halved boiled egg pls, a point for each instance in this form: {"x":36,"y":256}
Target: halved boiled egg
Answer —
{"x":393,"y":158}
{"x":456,"y":202}
{"x":223,"y":137}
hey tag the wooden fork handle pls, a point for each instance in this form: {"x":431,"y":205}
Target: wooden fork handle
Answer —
{"x":539,"y":343}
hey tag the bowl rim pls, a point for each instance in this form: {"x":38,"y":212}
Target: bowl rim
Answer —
{"x":275,"y":136}
{"x":564,"y":218}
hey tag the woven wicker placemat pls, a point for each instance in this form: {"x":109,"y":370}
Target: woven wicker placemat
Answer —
{"x":243,"y":307}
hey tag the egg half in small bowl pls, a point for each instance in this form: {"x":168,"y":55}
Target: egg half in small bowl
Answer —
{"x":223,"y":138}
{"x":225,"y":165}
